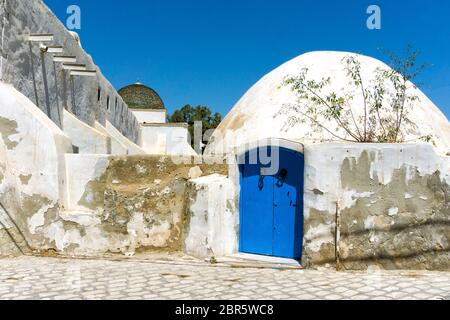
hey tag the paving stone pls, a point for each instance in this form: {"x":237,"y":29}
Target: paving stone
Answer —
{"x":49,"y":278}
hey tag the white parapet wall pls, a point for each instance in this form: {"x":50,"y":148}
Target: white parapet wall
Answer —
{"x":87,"y":139}
{"x":35,"y":149}
{"x":166,"y":139}
{"x":213,"y":221}
{"x":144,"y":116}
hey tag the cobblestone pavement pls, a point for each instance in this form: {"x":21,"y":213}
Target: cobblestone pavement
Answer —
{"x":51,"y":278}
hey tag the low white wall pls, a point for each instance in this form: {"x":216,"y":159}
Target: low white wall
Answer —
{"x":117,"y":148}
{"x":150,"y":116}
{"x":212,"y":228}
{"x":87,"y":139}
{"x":132,"y":148}
{"x":169,"y":139}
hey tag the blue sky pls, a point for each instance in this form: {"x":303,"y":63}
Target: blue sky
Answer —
{"x":211,"y":52}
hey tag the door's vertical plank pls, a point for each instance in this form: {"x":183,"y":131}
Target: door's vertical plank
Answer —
{"x":288,"y":214}
{"x":256,"y":211}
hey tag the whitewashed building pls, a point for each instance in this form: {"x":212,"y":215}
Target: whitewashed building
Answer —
{"x":156,"y":135}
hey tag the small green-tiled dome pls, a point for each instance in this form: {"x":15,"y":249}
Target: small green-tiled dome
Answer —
{"x":139,"y":96}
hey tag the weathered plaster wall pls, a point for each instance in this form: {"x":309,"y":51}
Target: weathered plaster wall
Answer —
{"x":212,"y":227}
{"x":125,"y":204}
{"x":393,"y":204}
{"x":45,"y":83}
{"x":32,"y":182}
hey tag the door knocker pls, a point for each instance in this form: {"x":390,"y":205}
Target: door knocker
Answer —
{"x":281,"y":178}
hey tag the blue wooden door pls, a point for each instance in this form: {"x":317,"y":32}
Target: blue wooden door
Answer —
{"x":271,"y":207}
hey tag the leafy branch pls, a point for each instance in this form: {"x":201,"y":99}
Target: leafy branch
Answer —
{"x":383,"y":114}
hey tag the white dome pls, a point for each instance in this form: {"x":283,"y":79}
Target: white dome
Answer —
{"x":255,"y":117}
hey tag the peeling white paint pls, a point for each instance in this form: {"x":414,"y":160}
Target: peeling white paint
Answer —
{"x":393,"y":212}
{"x":318,"y":236}
{"x":369,"y":224}
{"x":55,"y":232}
{"x":88,"y":168}
{"x":38,"y":219}
{"x":141,"y":169}
{"x":350,"y":197}
{"x":165,"y":191}
{"x":156,"y":236}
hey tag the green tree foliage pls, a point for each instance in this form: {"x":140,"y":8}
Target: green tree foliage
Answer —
{"x":189,"y":114}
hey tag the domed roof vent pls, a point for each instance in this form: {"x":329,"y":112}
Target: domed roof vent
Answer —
{"x":139,"y":96}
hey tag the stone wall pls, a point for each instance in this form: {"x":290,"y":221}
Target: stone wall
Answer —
{"x":391,"y":204}
{"x":125,"y":204}
{"x":43,"y":82}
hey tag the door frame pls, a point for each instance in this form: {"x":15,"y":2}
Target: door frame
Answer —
{"x":240,"y":154}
